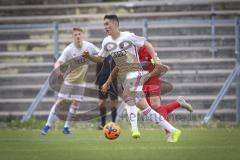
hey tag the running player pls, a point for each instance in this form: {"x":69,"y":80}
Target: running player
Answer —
{"x":103,"y":72}
{"x":152,"y":90}
{"x":73,"y":79}
{"x":122,"y":46}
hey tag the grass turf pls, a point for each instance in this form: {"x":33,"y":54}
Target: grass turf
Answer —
{"x":195,"y":144}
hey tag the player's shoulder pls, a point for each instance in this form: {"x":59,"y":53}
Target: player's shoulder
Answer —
{"x":69,"y":47}
{"x":126,"y":33}
{"x":106,"y":39}
{"x":87,"y":43}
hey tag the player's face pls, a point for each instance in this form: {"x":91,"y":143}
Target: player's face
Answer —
{"x":109,"y":26}
{"x":77,"y":37}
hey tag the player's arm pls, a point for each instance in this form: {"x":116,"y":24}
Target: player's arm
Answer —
{"x":57,"y":64}
{"x":110,"y":79}
{"x":159,"y":68}
{"x":96,"y":59}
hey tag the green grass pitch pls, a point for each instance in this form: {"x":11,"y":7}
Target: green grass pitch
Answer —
{"x":195,"y":144}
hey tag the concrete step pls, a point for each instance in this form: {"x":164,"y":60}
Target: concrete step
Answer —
{"x":95,"y":29}
{"x":26,"y":67}
{"x":30,"y":91}
{"x":26,"y":57}
{"x":123,"y":16}
{"x":174,"y":64}
{"x":32,"y":78}
{"x":199,"y":64}
{"x":97,"y":40}
{"x":198,"y":102}
{"x":161,"y":29}
{"x":42,"y":67}
{"x":143,"y":6}
{"x":157,"y":41}
{"x":198,"y":29}
{"x":190,"y":76}
{"x":178,"y":115}
{"x":22,"y":91}
{"x":22,"y":104}
{"x":191,"y":41}
{"x":204,"y":101}
{"x":163,"y":53}
{"x":195,"y":52}
{"x":187,"y":89}
{"x":187,"y":76}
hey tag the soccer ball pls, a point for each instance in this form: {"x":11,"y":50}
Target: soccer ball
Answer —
{"x":111,"y":131}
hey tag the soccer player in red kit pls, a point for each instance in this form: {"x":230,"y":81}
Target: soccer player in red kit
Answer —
{"x":152,"y":90}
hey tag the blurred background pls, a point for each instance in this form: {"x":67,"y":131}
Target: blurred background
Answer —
{"x":197,"y":39}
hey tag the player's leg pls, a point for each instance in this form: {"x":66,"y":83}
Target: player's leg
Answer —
{"x":103,"y":112}
{"x":153,"y":98}
{"x":157,"y":118}
{"x":114,"y":109}
{"x":102,"y":108}
{"x":180,"y":102}
{"x":113,"y":94}
{"x":51,"y":116}
{"x":70,"y":117}
{"x":131,"y":111}
{"x":184,"y":104}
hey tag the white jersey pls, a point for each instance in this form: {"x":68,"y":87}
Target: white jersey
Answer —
{"x":124,"y":51}
{"x":77,"y":76}
{"x":72,"y":51}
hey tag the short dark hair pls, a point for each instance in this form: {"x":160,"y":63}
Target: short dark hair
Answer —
{"x":77,"y":29}
{"x":111,"y":17}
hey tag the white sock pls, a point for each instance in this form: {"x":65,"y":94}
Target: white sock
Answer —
{"x":156,"y":117}
{"x":132,"y":116}
{"x":72,"y":111}
{"x":52,"y":116}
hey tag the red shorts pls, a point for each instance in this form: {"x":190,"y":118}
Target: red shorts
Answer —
{"x":152,"y":87}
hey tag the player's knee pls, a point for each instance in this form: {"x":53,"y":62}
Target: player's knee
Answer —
{"x":101,"y":103}
{"x":141,"y":103}
{"x":154,"y":105}
{"x":130,"y":101}
{"x":75,"y":104}
{"x":113,"y":103}
{"x":60,"y":101}
{"x":155,"y":101}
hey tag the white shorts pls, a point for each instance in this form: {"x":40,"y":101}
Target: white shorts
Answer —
{"x":72,"y":91}
{"x":133,"y":83}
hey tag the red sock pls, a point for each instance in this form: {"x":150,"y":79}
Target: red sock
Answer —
{"x":171,"y":106}
{"x":163,"y":112}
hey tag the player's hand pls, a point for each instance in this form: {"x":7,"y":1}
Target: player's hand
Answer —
{"x":105,"y":88}
{"x":86,"y":54}
{"x":163,"y":68}
{"x":59,"y":73}
{"x":145,"y":77}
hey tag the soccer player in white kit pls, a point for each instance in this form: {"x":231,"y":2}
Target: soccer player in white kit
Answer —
{"x":122,"y":46}
{"x":74,"y":79}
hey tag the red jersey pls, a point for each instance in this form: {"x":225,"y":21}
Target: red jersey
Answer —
{"x":152,"y":87}
{"x":147,"y":65}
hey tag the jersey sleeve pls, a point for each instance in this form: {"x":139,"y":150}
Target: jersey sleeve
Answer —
{"x":64,"y":56}
{"x":103,"y":52}
{"x":93,"y":49}
{"x":137,"y":40}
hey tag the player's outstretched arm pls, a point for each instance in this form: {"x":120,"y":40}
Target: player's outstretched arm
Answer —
{"x":96,"y":59}
{"x":110,"y":79}
{"x":159,"y":69}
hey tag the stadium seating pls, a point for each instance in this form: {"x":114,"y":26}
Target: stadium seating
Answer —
{"x":179,"y":30}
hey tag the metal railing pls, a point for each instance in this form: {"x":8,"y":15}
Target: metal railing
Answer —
{"x":144,"y":24}
{"x":235,"y":75}
{"x":42,"y":92}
